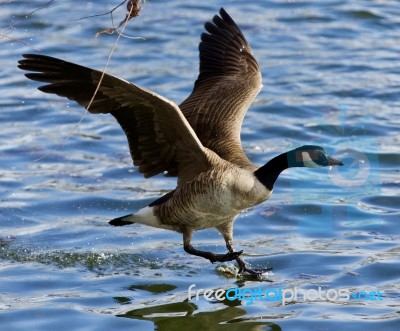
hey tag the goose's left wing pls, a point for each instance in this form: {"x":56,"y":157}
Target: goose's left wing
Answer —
{"x":159,"y":136}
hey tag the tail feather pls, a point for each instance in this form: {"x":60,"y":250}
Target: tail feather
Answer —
{"x":142,"y":216}
{"x":120,"y":221}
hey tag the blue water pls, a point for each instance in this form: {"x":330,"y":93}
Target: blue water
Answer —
{"x":331,"y":75}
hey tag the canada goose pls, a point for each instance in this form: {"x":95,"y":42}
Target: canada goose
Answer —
{"x":198,"y":141}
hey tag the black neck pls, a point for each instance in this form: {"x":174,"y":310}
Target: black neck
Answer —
{"x":269,"y":173}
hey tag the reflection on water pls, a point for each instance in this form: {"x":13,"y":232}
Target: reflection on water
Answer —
{"x":179,"y":316}
{"x":331,"y":78}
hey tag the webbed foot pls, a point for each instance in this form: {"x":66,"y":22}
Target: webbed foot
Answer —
{"x":211,"y":256}
{"x":243,"y":269}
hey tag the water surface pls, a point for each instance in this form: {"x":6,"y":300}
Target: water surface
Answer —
{"x":331,"y":77}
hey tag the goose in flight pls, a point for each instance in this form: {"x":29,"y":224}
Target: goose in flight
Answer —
{"x":197,"y":141}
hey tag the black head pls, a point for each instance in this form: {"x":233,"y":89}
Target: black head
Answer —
{"x":311,"y":156}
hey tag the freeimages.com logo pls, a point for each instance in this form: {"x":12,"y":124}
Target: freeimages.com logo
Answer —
{"x":283,"y":295}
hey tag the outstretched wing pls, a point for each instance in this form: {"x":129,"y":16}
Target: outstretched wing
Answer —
{"x":159,"y":136}
{"x":228,"y":82}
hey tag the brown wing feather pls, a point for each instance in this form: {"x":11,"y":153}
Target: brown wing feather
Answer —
{"x":159,"y":136}
{"x":228,"y":82}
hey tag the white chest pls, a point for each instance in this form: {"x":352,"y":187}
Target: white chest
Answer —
{"x":238,"y":190}
{"x":248,"y":190}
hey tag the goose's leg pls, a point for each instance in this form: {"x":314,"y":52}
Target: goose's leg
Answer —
{"x":227,"y":231}
{"x":187,"y":237}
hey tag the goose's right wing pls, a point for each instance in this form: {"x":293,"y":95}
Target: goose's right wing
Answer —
{"x":228,"y":81}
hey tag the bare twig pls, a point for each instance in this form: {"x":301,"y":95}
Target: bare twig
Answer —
{"x":109,"y":12}
{"x":2,"y":35}
{"x":123,"y":24}
{"x":12,"y":26}
{"x":133,"y":9}
{"x":41,"y":7}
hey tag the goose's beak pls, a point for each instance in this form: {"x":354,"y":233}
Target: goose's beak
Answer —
{"x":332,"y":161}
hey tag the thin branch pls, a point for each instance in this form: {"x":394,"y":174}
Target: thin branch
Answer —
{"x":41,"y":7}
{"x":2,"y":35}
{"x":109,"y":12}
{"x":109,"y":59}
{"x":133,"y":9}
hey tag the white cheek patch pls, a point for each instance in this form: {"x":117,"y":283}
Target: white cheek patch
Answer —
{"x":308,"y":161}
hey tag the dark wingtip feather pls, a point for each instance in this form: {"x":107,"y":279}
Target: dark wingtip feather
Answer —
{"x":226,"y":17}
{"x":222,"y":11}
